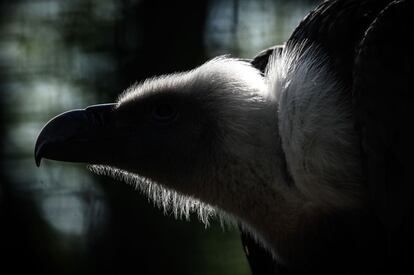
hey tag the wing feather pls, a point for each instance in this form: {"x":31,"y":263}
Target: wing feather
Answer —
{"x":384,"y":114}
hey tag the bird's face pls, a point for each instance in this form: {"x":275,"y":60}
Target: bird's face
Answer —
{"x":169,"y":137}
{"x":185,"y":131}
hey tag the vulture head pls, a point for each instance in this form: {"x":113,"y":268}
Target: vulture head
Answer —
{"x":273,"y":152}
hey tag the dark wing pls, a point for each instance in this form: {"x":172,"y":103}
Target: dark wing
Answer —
{"x":337,"y":27}
{"x":369,"y":46}
{"x":384,"y":103}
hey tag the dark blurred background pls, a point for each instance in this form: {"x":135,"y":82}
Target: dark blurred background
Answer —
{"x":59,"y":55}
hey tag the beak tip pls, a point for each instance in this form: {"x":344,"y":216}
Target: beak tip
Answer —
{"x":37,"y":156}
{"x":38,"y":160}
{"x":39,"y":151}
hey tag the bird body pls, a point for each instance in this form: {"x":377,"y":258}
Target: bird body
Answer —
{"x":278,"y":153}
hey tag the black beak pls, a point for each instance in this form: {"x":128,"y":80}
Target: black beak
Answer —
{"x":86,"y":136}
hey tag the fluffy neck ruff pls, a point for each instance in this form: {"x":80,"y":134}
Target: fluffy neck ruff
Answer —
{"x":316,"y":127}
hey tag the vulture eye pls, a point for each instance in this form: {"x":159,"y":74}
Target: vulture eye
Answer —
{"x":164,"y":113}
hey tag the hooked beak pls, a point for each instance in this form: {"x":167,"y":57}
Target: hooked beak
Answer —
{"x":84,"y":135}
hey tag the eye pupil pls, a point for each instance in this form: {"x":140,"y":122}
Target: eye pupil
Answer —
{"x":164,"y":112}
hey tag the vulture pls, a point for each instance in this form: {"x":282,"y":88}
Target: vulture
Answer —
{"x":307,"y":147}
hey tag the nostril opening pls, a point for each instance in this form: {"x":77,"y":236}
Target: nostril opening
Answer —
{"x":99,"y":115}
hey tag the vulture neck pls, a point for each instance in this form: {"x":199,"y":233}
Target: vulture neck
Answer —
{"x":269,"y":207}
{"x":254,"y":186}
